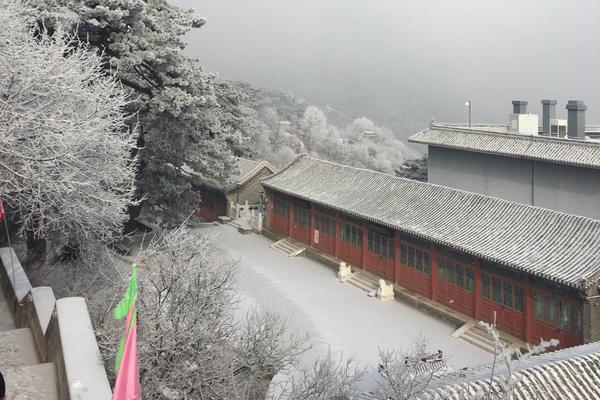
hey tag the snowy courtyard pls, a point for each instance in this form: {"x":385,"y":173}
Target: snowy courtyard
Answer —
{"x":337,"y":316}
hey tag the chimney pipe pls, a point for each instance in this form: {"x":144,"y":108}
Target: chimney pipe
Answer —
{"x":576,"y":119}
{"x":519,"y":107}
{"x":548,"y":113}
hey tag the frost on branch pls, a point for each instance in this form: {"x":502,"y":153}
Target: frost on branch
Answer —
{"x":329,"y":377}
{"x":181,"y":120}
{"x":407,"y":375}
{"x":65,"y":162}
{"x":192,"y":341}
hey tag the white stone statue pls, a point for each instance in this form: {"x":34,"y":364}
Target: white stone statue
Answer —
{"x":344,"y":272}
{"x":385,"y":291}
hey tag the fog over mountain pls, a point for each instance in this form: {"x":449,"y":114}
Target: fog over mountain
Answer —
{"x":402,"y":63}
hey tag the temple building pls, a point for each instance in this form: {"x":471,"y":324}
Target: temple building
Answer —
{"x":536,"y":269}
{"x":243,"y":187}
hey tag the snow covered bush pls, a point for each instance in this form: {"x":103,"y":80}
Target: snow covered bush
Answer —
{"x":330,"y":377}
{"x":65,"y":158}
{"x":405,"y":375}
{"x":194,"y":341}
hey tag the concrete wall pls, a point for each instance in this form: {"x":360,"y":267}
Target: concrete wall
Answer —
{"x":559,"y":187}
{"x":487,"y":174}
{"x":569,"y":189}
{"x":62,"y":332}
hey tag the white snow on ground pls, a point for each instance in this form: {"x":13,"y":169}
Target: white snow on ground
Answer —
{"x":337,"y":316}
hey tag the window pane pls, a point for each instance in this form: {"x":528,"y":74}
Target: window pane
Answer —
{"x":441,"y":266}
{"x":564,"y":316}
{"x":392,"y":249}
{"x":519,"y":304}
{"x":496,"y":290}
{"x":460,"y":275}
{"x":403,"y":255}
{"x":419,"y":263}
{"x":485,"y":285}
{"x":370,"y":246}
{"x":538,"y":305}
{"x":551,"y":310}
{"x":411,"y":256}
{"x":508,"y":300}
{"x":426,"y":263}
{"x":578,"y":321}
{"x":469,"y":279}
{"x":451,"y":272}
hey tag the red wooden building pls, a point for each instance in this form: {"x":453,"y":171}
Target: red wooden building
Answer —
{"x":537,"y":269}
{"x":241,"y":187}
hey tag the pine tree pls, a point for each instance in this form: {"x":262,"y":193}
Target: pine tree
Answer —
{"x":179,"y":115}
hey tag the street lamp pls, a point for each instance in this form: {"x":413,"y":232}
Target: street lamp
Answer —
{"x":468,"y":104}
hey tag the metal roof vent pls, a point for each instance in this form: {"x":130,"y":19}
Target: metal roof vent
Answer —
{"x":576,"y":119}
{"x":520,"y":121}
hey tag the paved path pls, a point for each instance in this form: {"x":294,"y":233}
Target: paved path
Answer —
{"x":26,"y":378}
{"x":336,"y":315}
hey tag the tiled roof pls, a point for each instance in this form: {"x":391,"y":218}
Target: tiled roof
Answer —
{"x":584,"y":153}
{"x":556,"y":246}
{"x":572,"y":373}
{"x":247,"y":169}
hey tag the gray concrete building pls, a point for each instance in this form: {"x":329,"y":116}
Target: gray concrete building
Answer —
{"x":555,"y":167}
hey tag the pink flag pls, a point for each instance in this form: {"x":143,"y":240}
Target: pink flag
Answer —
{"x":1,"y":210}
{"x":127,"y":385}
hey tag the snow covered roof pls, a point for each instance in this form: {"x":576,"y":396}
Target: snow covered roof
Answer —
{"x":559,"y":247}
{"x":247,"y":169}
{"x":493,"y":140}
{"x":572,"y":373}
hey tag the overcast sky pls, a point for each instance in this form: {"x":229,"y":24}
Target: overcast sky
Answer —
{"x":404,"y":62}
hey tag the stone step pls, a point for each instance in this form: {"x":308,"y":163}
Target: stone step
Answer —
{"x":477,"y":336}
{"x":367,"y":279}
{"x":363,"y":282}
{"x":31,"y":382}
{"x":7,"y":321}
{"x":17,"y":348}
{"x":288,"y":247}
{"x":360,"y":285}
{"x":474,"y":336}
{"x":476,"y":341}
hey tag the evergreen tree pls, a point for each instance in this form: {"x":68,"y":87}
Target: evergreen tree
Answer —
{"x":179,"y":114}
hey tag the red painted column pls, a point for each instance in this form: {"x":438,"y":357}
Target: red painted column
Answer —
{"x":269,"y":209}
{"x":434,"y":272}
{"x":313,"y":213}
{"x":336,"y":240}
{"x":529,"y":311}
{"x":365,"y":244}
{"x":291,"y":217}
{"x":477,"y":290}
{"x":396,"y":256}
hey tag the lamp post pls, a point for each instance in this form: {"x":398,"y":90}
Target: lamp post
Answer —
{"x":468,"y":104}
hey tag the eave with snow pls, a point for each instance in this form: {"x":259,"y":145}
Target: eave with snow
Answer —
{"x":242,"y":187}
{"x":536,"y":268}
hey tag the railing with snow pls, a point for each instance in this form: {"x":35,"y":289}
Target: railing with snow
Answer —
{"x":237,"y":211}
{"x":256,"y":220}
{"x":62,"y":332}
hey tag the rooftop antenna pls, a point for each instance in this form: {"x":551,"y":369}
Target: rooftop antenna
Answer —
{"x":468,"y":104}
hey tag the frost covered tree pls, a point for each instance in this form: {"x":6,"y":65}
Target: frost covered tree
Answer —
{"x":404,"y":375}
{"x":329,"y":377}
{"x":414,"y":169}
{"x":178,"y":108}
{"x":313,"y":126}
{"x":65,"y":163}
{"x":193,"y":340}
